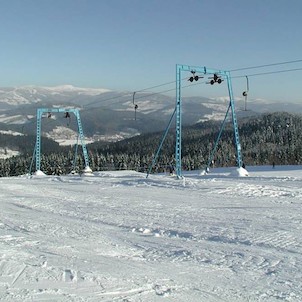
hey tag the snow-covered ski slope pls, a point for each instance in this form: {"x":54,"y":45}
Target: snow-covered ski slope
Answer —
{"x":117,"y":236}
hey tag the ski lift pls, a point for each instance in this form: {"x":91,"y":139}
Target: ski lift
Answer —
{"x":245,"y":93}
{"x":194,"y":77}
{"x":67,"y":115}
{"x":135,"y":105}
{"x":215,"y":79}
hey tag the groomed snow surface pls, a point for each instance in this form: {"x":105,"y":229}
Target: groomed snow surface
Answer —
{"x":117,"y":236}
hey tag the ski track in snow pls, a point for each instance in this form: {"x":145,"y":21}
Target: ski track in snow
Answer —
{"x":117,"y":236}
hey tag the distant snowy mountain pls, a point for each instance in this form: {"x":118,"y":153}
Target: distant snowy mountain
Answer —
{"x":32,"y":95}
{"x":110,"y":114}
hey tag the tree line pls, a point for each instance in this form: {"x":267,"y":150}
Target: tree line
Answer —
{"x":266,"y":139}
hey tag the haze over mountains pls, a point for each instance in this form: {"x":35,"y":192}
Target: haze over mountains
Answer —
{"x":109,"y":115}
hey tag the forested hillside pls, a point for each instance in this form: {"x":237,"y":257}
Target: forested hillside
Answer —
{"x":267,"y":139}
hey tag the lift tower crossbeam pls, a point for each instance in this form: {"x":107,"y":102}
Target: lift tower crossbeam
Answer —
{"x":207,"y":71}
{"x":40,"y":113}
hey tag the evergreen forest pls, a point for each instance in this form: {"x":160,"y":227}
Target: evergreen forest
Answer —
{"x":267,"y":139}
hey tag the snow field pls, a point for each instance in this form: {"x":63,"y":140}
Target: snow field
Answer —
{"x":117,"y":236}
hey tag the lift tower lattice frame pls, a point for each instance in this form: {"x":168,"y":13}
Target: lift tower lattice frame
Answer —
{"x":207,"y":71}
{"x":40,"y":112}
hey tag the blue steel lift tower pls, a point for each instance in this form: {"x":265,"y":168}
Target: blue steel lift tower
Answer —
{"x":221,"y":73}
{"x":37,"y":150}
{"x":225,"y":75}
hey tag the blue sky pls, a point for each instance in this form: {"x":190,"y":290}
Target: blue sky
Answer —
{"x":135,"y":44}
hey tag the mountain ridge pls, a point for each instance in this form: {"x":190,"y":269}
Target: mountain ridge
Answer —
{"x":108,"y":113}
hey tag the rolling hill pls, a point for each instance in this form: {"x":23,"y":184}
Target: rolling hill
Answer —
{"x":109,"y":115}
